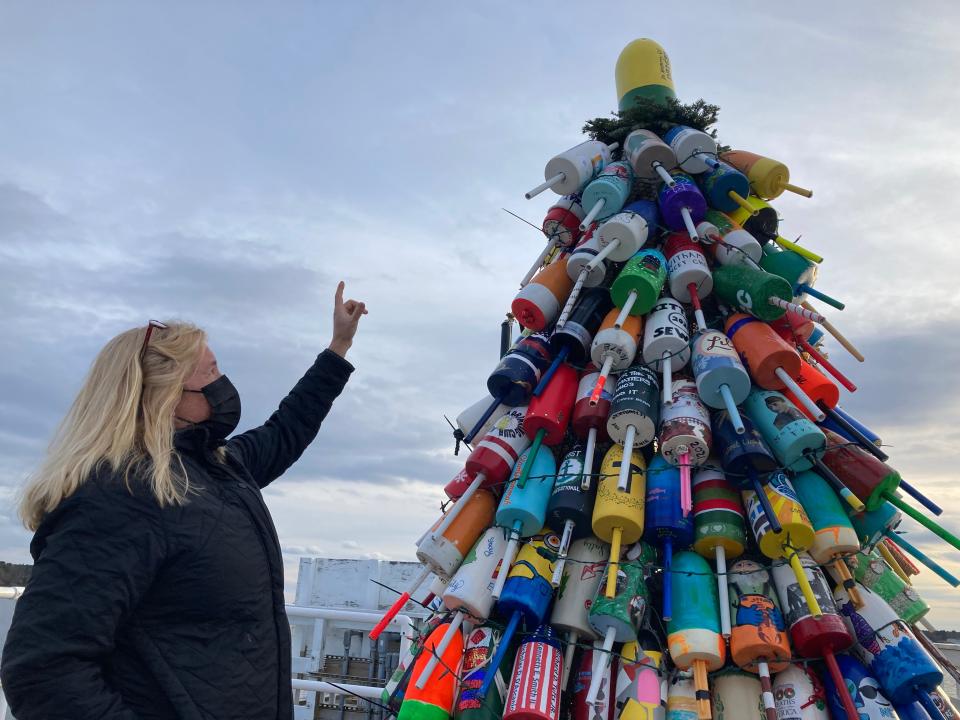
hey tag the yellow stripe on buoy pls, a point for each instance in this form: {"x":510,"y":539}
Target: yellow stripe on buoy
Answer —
{"x":643,"y":71}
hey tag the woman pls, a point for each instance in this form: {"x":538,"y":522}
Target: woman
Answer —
{"x":157,"y":589}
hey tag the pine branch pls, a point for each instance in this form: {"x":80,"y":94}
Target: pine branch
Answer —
{"x":656,"y":116}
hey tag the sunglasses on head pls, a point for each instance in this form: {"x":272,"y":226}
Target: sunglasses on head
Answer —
{"x":146,"y":338}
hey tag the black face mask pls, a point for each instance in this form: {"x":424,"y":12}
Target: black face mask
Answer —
{"x":224,"y":403}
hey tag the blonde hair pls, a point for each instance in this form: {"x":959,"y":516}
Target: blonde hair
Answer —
{"x":122,"y":419}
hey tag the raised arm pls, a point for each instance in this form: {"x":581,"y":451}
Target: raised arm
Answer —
{"x":102,"y":553}
{"x":267,"y":451}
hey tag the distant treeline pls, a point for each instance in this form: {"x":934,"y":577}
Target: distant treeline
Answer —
{"x":943,"y":635}
{"x":13,"y":575}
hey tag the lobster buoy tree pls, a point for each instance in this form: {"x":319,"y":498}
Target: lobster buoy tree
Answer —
{"x":675,"y":359}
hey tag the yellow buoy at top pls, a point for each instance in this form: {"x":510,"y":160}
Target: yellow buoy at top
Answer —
{"x":643,"y":71}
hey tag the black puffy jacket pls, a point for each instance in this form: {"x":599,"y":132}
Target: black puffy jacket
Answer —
{"x":137,"y":612}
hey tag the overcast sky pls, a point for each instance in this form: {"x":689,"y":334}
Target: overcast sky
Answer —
{"x":228,"y":162}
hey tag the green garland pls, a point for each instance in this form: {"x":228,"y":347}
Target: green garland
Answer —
{"x":656,"y":116}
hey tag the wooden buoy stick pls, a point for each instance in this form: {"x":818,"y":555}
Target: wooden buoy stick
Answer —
{"x":849,"y":584}
{"x":702,"y":685}
{"x":838,"y":336}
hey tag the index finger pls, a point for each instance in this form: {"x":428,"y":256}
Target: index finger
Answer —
{"x":338,"y":298}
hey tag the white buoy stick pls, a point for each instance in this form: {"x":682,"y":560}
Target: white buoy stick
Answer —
{"x":565,"y":539}
{"x":572,"y":300}
{"x":724,"y":590}
{"x":572,"y":638}
{"x":769,"y":703}
{"x":688,"y":221}
{"x":600,"y":667}
{"x":602,"y":255}
{"x":548,"y":248}
{"x":508,"y":555}
{"x":628,"y":440}
{"x":440,"y":649}
{"x":559,"y":177}
{"x":592,"y":215}
{"x":419,"y":580}
{"x":664,"y":175}
{"x":798,"y":392}
{"x":588,"y":459}
{"x":667,"y":368}
{"x":710,"y":161}
{"x":625,"y":310}
{"x":732,"y":409}
{"x":458,"y":506}
{"x":700,"y":318}
{"x":602,"y":380}
{"x":799,"y":310}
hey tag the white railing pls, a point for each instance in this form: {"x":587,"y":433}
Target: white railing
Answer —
{"x":314,"y":619}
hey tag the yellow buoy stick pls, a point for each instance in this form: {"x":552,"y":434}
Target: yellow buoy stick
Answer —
{"x":892,"y":562}
{"x":611,"y":589}
{"x":742,"y":202}
{"x":803,"y":581}
{"x":846,"y":579}
{"x":798,"y":190}
{"x":700,"y":681}
{"x":798,"y":249}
